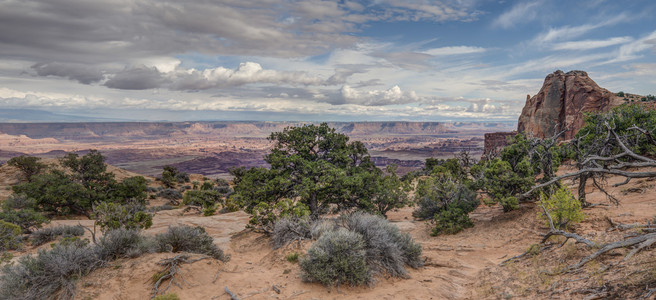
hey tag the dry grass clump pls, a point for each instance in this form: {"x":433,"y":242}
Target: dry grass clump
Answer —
{"x":189,"y":239}
{"x":337,"y":257}
{"x":344,"y":244}
{"x":45,"y":235}
{"x":287,"y":230}
{"x":49,"y":274}
{"x":53,"y":274}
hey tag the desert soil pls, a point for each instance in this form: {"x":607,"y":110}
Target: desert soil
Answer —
{"x":461,"y":266}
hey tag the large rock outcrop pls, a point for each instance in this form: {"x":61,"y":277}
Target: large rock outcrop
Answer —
{"x":561,"y":104}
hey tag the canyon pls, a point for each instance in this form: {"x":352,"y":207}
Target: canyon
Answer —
{"x":213,"y":148}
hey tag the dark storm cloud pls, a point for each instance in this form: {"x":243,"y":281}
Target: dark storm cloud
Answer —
{"x":139,"y":78}
{"x":81,"y":73}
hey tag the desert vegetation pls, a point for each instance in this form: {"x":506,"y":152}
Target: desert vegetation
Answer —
{"x":323,"y":206}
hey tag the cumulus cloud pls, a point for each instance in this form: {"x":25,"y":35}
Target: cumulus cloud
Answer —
{"x":391,"y":96}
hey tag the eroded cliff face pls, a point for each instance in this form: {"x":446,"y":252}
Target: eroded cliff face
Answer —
{"x":561,"y":104}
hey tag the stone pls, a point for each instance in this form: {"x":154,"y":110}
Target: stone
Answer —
{"x":561,"y":104}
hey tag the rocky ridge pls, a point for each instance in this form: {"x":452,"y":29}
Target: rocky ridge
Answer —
{"x":561,"y":103}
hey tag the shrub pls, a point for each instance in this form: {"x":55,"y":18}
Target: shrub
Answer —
{"x":563,"y":208}
{"x":45,"y":235}
{"x":20,"y":210}
{"x":337,"y":257}
{"x":322,"y":226}
{"x":170,"y":194}
{"x":10,"y":236}
{"x":29,"y":165}
{"x":451,"y":221}
{"x":119,"y":243}
{"x":202,"y":198}
{"x":130,"y":216}
{"x":287,"y":230}
{"x":48,"y":274}
{"x":387,"y":249}
{"x":189,"y":239}
{"x":439,"y":191}
{"x":131,"y":189}
{"x":171,"y":176}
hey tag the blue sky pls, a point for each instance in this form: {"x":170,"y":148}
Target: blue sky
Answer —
{"x":415,"y":60}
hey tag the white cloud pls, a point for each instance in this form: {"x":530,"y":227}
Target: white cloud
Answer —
{"x":391,"y":96}
{"x":454,"y":50}
{"x":632,"y":50}
{"x":592,"y":44}
{"x":522,"y":12}
{"x":569,"y":32}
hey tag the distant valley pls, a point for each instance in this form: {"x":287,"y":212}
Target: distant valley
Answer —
{"x":212,"y":148}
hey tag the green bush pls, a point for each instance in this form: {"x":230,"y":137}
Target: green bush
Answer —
{"x":337,"y":257}
{"x":563,"y":208}
{"x":435,"y":193}
{"x":171,"y":176}
{"x":10,"y":236}
{"x":451,"y":221}
{"x":20,"y":210}
{"x":84,"y":182}
{"x":189,"y":239}
{"x":29,"y":165}
{"x":593,"y":134}
{"x":312,"y":167}
{"x":46,"y":235}
{"x":132,"y":215}
{"x":202,"y":198}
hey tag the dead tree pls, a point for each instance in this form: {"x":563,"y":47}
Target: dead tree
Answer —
{"x":626,"y":164}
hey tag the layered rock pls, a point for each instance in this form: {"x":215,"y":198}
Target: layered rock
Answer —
{"x":561,"y":104}
{"x":495,"y":141}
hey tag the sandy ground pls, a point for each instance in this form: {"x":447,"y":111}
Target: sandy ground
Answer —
{"x":462,"y":266}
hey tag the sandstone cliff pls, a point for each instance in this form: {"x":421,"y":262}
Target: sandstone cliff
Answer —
{"x":561,"y":104}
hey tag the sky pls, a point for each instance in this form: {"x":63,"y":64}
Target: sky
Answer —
{"x":412,"y":60}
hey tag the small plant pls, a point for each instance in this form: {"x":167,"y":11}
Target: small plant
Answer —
{"x":120,"y":243}
{"x":114,"y":216}
{"x":189,"y":239}
{"x":337,"y":257}
{"x":287,"y":230}
{"x":10,"y":236}
{"x":46,"y":235}
{"x":170,"y":296}
{"x":564,"y":209}
{"x":451,"y":221}
{"x":292,"y":257}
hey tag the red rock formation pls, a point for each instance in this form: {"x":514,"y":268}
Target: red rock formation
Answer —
{"x":495,"y":141}
{"x":560,"y":105}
